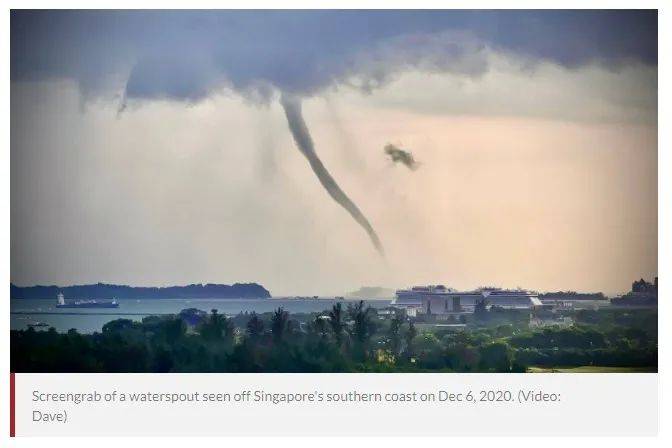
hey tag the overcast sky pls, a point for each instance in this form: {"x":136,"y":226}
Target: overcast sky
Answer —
{"x":149,"y":148}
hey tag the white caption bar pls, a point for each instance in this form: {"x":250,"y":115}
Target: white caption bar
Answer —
{"x":336,"y":404}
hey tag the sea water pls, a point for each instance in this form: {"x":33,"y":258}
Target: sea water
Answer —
{"x":25,"y":312}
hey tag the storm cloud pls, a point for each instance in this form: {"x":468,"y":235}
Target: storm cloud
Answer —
{"x":173,"y":188}
{"x":187,"y":55}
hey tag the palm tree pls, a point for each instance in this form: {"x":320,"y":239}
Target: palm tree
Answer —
{"x":394,"y":334}
{"x":411,"y":333}
{"x":481,"y":309}
{"x":255,"y":327}
{"x":319,"y":326}
{"x":279,"y":324}
{"x":363,"y":327}
{"x":218,"y":326}
{"x":336,"y":322}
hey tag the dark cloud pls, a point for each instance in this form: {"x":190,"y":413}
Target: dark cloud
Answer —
{"x":188,"y":54}
{"x":399,"y":155}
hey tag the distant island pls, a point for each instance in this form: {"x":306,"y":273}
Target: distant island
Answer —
{"x":108,"y":291}
{"x":371,"y":292}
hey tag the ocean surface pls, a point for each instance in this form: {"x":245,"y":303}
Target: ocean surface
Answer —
{"x":88,"y":320}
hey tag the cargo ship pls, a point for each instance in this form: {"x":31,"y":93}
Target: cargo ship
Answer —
{"x":85,"y":303}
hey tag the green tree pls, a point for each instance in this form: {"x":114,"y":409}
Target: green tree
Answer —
{"x":410,"y":335}
{"x":255,"y":327}
{"x":318,"y":326}
{"x":481,"y":310}
{"x":217,"y":327}
{"x":279,"y":324}
{"x":496,"y":356}
{"x":119,"y":325}
{"x":394,"y":334}
{"x":363,"y":326}
{"x":337,"y":323}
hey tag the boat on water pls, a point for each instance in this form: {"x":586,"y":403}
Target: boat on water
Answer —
{"x":38,"y":324}
{"x":85,"y":303}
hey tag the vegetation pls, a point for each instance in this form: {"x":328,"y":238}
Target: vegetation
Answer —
{"x":564,"y":295}
{"x":592,"y":369}
{"x":351,"y":339}
{"x":106,"y":291}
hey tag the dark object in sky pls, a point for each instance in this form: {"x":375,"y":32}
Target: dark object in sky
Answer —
{"x":304,"y":142}
{"x":106,"y":291}
{"x":399,"y":155}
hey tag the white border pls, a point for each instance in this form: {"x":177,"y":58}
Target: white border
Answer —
{"x":664,"y":210}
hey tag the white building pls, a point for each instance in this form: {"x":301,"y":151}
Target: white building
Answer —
{"x":439,"y":300}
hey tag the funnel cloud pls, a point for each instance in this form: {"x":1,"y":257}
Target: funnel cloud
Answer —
{"x":398,"y":155}
{"x":304,"y":142}
{"x":201,"y":90}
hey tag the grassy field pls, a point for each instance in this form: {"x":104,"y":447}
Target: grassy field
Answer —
{"x":591,"y":369}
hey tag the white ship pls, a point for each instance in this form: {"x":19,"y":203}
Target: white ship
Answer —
{"x":84,"y":303}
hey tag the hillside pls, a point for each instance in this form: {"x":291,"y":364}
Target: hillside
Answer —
{"x":108,"y":291}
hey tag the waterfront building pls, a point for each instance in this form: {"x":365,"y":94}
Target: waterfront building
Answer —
{"x":438,"y":300}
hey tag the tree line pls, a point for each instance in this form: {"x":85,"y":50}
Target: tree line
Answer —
{"x":342,"y":339}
